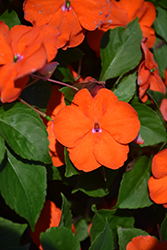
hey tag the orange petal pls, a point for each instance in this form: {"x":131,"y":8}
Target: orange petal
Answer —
{"x":71,"y":125}
{"x":142,"y":243}
{"x":159,"y":164}
{"x":6,"y":54}
{"x":121,"y":122}
{"x":156,"y":83}
{"x":158,"y":189}
{"x":41,"y":12}
{"x":82,"y":154}
{"x":50,"y":217}
{"x":163,"y":109}
{"x":148,"y":33}
{"x":147,"y":14}
{"x":108,"y":152}
{"x":91,"y":13}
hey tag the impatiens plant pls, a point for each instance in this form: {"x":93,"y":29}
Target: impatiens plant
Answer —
{"x":83,"y":125}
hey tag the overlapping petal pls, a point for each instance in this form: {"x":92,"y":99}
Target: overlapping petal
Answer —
{"x":158,"y":189}
{"x":142,"y":243}
{"x":71,"y":125}
{"x":159,"y":164}
{"x":82,"y":154}
{"x":108,"y":152}
{"x":121,"y":122}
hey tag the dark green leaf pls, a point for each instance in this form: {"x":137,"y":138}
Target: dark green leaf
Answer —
{"x":66,"y":217}
{"x":152,"y":130}
{"x":92,"y":184}
{"x":59,"y":238}
{"x":38,"y":94}
{"x":81,"y":228}
{"x":70,"y":169}
{"x":24,"y":132}
{"x":2,"y":149}
{"x":53,"y":173}
{"x":120,"y":50}
{"x":163,"y":230}
{"x":133,"y":192}
{"x":10,"y":233}
{"x":10,"y":18}
{"x":126,"y":88}
{"x":159,"y":50}
{"x":23,"y":187}
{"x":115,"y":218}
{"x":104,"y":241}
{"x":125,"y":235}
{"x":68,"y":94}
{"x":160,"y":23}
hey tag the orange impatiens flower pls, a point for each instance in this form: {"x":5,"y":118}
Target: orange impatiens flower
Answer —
{"x":97,"y":130}
{"x":157,"y":184}
{"x":163,"y":108}
{"x":148,"y":74}
{"x":50,"y":217}
{"x":123,"y":12}
{"x":71,"y":17}
{"x":23,"y":50}
{"x":146,"y":243}
{"x":56,"y":149}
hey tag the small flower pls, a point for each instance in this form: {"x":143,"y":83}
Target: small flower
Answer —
{"x":96,"y":130}
{"x":148,"y":74}
{"x":23,"y":50}
{"x":157,"y":184}
{"x":50,"y":217}
{"x":71,"y":17}
{"x":146,"y":243}
{"x":123,"y":12}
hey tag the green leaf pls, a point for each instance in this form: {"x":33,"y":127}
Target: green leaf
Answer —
{"x":66,"y":217}
{"x":126,"y":88}
{"x":133,"y":192}
{"x":2,"y":149}
{"x":53,"y":173}
{"x":92,"y":184}
{"x":160,"y":23}
{"x":159,"y":50}
{"x":163,"y":231}
{"x":10,"y":18}
{"x":68,"y":94}
{"x":38,"y":94}
{"x":115,"y":218}
{"x":70,"y":169}
{"x":81,"y":228}
{"x":10,"y":233}
{"x":152,"y":130}
{"x":120,"y":50}
{"x":104,"y":241}
{"x":125,"y":235}
{"x":23,"y":187}
{"x":59,"y":238}
{"x":24,"y":132}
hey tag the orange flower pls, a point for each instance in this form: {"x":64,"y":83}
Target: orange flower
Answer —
{"x":71,"y":17}
{"x":148,"y":74}
{"x":146,"y":243}
{"x":23,"y":50}
{"x":163,"y":109}
{"x":123,"y":12}
{"x":50,"y":217}
{"x":157,"y":184}
{"x":55,"y":103}
{"x":97,"y":130}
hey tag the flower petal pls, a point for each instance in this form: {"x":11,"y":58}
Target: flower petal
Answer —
{"x":71,"y":125}
{"x":82,"y":155}
{"x":121,"y":122}
{"x":142,"y":243}
{"x":158,"y":189}
{"x":108,"y":152}
{"x":163,"y":108}
{"x":6,"y":54}
{"x":159,"y":164}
